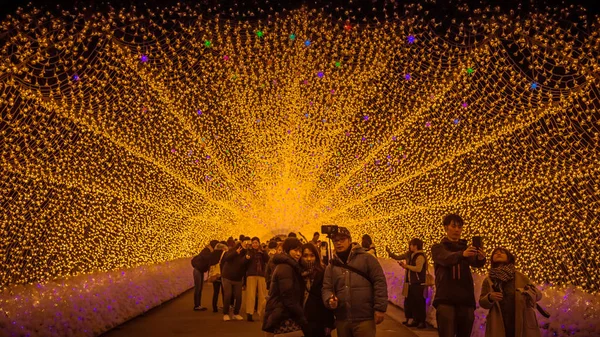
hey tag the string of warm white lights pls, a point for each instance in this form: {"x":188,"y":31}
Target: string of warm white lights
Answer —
{"x":132,"y":139}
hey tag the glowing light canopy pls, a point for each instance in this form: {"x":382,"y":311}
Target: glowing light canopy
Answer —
{"x":132,"y":139}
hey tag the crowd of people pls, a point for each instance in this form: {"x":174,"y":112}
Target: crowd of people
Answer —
{"x":298,"y":288}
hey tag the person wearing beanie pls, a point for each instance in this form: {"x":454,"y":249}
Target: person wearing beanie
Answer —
{"x":320,"y":319}
{"x":354,"y":287}
{"x":284,"y":312}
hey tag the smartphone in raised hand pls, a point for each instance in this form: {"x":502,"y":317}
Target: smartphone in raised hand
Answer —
{"x":477,"y":242}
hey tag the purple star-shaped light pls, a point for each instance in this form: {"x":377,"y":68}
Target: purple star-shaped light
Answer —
{"x":411,"y":39}
{"x":407,"y":77}
{"x":363,"y":138}
{"x":173,"y":150}
{"x":394,"y":138}
{"x":366,"y":118}
{"x":144,"y":58}
{"x":320,"y":74}
{"x":428,"y":124}
{"x":75,"y":77}
{"x":199,"y":112}
{"x":347,"y":134}
{"x":464,"y":105}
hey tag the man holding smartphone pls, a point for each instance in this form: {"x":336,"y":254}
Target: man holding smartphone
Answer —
{"x":455,"y":294}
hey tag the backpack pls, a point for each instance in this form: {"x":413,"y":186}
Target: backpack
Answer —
{"x":200,"y":263}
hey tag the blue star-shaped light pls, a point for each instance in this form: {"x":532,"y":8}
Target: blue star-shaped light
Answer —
{"x":144,"y":58}
{"x":456,"y":121}
{"x":411,"y":39}
{"x":307,"y":43}
{"x":407,"y":77}
{"x":320,"y":74}
{"x":534,"y":86}
{"x":306,"y":115}
{"x":75,"y":77}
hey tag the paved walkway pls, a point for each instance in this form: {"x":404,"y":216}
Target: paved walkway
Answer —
{"x":176,"y":318}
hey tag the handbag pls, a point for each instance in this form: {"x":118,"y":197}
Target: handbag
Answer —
{"x":429,"y":280}
{"x":289,"y":328}
{"x":214,"y":272}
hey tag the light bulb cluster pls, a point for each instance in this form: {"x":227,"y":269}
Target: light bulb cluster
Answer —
{"x":133,"y":138}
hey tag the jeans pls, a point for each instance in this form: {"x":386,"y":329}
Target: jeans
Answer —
{"x":454,"y":320}
{"x":198,"y":284}
{"x":215,"y":299}
{"x":355,"y":329}
{"x":232,"y":290}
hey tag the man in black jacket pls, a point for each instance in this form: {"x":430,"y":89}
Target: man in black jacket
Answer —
{"x":455,"y":294}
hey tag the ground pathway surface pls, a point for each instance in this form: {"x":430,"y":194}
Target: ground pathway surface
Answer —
{"x":176,"y":318}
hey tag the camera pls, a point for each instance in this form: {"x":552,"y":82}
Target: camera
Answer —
{"x":329,"y":229}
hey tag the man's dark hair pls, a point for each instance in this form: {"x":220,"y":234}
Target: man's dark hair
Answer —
{"x":292,"y":235}
{"x":416,"y":242}
{"x":453,"y":218}
{"x":366,"y":241}
{"x":272,"y":244}
{"x":213,"y":243}
{"x":242,"y":236}
{"x":510,"y":257}
{"x":317,"y":233}
{"x":291,"y":244}
{"x":256,"y":239}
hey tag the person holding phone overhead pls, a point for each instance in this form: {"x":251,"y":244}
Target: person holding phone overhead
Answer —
{"x":455,"y":295}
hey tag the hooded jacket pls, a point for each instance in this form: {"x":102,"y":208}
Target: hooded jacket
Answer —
{"x":358,"y":299}
{"x":286,"y":295}
{"x":453,"y":279}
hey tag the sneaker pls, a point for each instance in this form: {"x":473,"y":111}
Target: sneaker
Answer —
{"x":237,"y":318}
{"x":249,"y":319}
{"x":200,"y":308}
{"x":226,"y":318}
{"x":421,"y":325}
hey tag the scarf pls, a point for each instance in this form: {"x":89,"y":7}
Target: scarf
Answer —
{"x":502,"y":274}
{"x":308,"y":268}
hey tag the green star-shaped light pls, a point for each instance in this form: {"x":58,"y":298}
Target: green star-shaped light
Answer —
{"x":207,"y":43}
{"x":338,"y":64}
{"x":470,"y":71}
{"x":259,"y":33}
{"x":292,"y":37}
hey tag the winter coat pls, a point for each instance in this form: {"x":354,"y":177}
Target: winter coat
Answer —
{"x":526,"y":324}
{"x":358,"y":299}
{"x":258,"y":263}
{"x":453,"y":279}
{"x":234,"y":265}
{"x":286,"y":295}
{"x":319,"y":317}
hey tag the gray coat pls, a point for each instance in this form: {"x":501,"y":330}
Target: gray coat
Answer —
{"x":358,"y":298}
